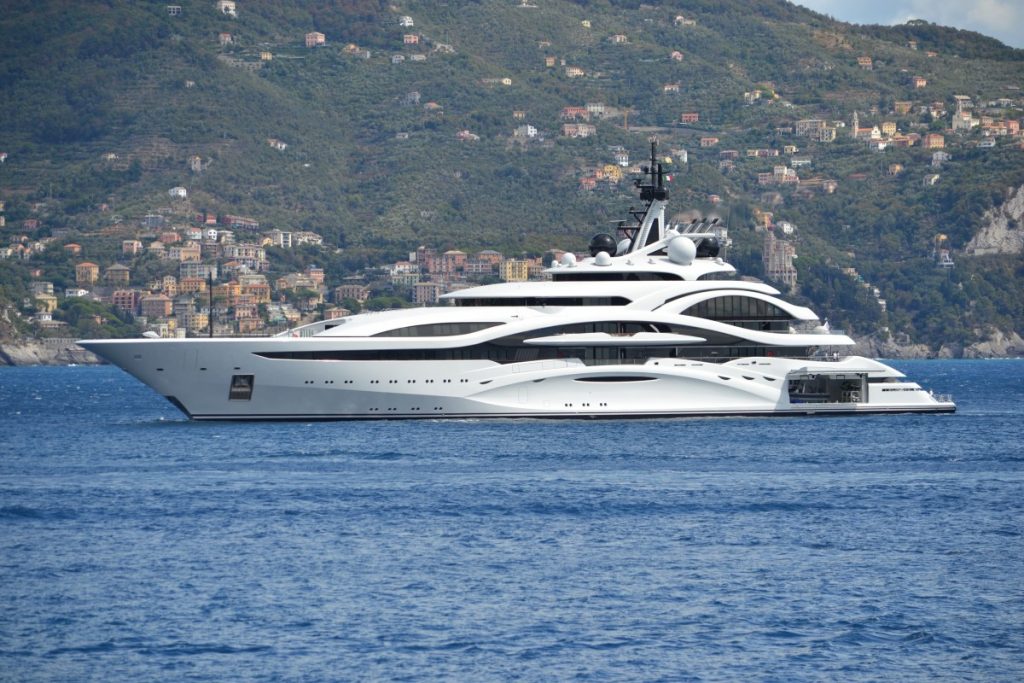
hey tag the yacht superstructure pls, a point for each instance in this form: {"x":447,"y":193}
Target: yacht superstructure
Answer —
{"x":649,"y":325}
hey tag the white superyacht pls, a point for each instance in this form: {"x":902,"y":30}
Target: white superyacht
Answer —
{"x":648,"y":326}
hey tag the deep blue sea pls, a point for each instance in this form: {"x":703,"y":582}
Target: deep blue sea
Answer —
{"x":138,"y":546}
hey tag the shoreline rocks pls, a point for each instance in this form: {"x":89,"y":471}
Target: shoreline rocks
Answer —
{"x":45,"y":352}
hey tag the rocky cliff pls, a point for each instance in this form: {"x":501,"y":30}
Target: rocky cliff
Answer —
{"x":1002,"y":230}
{"x":44,"y":352}
{"x":997,"y":344}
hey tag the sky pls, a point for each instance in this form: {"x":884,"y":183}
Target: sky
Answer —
{"x":1001,"y":19}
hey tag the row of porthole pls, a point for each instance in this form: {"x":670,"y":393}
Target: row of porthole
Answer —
{"x":390,"y":381}
{"x":586,"y":405}
{"x":391,"y":410}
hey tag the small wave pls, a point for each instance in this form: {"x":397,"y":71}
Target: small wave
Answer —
{"x":189,"y":649}
{"x":24,"y":512}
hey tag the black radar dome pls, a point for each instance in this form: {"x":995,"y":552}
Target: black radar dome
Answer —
{"x":603,"y":242}
{"x":708,"y":248}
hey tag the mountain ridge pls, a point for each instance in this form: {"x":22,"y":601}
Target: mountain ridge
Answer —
{"x":114,"y":79}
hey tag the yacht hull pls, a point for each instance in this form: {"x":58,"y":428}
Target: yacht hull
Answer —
{"x":228,"y":379}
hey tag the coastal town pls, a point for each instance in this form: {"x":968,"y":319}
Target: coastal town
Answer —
{"x":183,"y":270}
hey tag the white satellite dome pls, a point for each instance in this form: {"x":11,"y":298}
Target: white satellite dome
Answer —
{"x":682,"y":250}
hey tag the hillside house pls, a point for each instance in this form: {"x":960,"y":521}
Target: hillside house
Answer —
{"x":239,"y":222}
{"x":585,"y":23}
{"x":467,"y":136}
{"x":575,"y":113}
{"x":192,"y":285}
{"x":87,"y":273}
{"x":155,"y":306}
{"x":188,"y":251}
{"x":73,"y":248}
{"x":452,"y":262}
{"x":489,"y":256}
{"x":670,"y":88}
{"x":902,"y":108}
{"x":225,"y":39}
{"x":574,"y":72}
{"x":227,"y":7}
{"x":519,"y":114}
{"x":277,"y":144}
{"x":920,"y":82}
{"x":933,"y":141}
{"x":578,"y":130}
{"x":939,"y":158}
{"x":174,"y":10}
{"x":315,"y":39}
{"x":690,"y":117}
{"x":406,"y":21}
{"x":865,"y":63}
{"x":894,"y":169}
{"x":360,"y":293}
{"x":131,"y":247}
{"x":619,"y":39}
{"x":514,"y":270}
{"x":596,"y":109}
{"x":809,"y":127}
{"x":930,"y":179}
{"x":889,"y":128}
{"x":525,"y":132}
{"x":680,"y":20}
{"x":708,"y":141}
{"x":177,"y":193}
{"x":410,"y":39}
{"x":397,"y":59}
{"x":117,"y":274}
{"x":676,"y":56}
{"x":45,"y":302}
{"x":126,"y":300}
{"x":549,"y":62}
{"x":40,"y":287}
{"x":266,"y":56}
{"x":962,"y":120}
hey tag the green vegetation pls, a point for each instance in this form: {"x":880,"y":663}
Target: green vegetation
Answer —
{"x":377,"y":173}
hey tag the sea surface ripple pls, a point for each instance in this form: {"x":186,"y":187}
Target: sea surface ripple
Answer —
{"x":138,"y":546}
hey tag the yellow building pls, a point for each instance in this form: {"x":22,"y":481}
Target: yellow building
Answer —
{"x":514,"y":270}
{"x":87,"y":273}
{"x":46,"y":303}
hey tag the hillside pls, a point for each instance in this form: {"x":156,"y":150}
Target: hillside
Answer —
{"x":110,"y":104}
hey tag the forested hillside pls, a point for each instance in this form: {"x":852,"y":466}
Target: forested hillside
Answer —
{"x":400,"y":130}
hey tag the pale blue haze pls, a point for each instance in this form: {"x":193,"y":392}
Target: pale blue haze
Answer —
{"x":137,"y":546}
